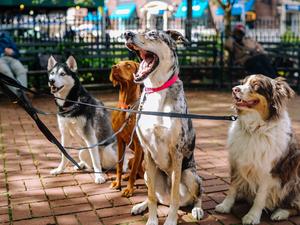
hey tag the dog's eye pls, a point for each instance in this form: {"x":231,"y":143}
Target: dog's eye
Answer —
{"x":128,"y":66}
{"x":151,"y":35}
{"x":62,"y":74}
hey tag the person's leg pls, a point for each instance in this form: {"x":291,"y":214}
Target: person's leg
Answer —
{"x":6,"y":70}
{"x":268,"y":67}
{"x":260,"y":64}
{"x":19,"y":70}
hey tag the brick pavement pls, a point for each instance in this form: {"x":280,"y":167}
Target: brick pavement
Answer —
{"x":29,"y":195}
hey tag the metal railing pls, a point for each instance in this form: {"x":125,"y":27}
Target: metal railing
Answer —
{"x":45,"y":34}
{"x":25,"y":28}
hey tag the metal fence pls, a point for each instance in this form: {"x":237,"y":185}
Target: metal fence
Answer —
{"x":44,"y":34}
{"x":27,"y":28}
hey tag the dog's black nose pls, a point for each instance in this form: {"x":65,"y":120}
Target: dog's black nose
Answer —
{"x":236,"y":90}
{"x":128,"y":34}
{"x":51,"y":81}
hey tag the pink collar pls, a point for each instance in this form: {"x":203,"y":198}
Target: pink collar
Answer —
{"x":164,"y":86}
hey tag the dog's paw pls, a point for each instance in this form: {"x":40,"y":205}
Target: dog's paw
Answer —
{"x":171,"y":221}
{"x":197,"y":213}
{"x":56,"y":171}
{"x":153,"y":221}
{"x":222,"y":208}
{"x":139,"y":208}
{"x":127,"y":192}
{"x":81,"y":165}
{"x":251,"y":218}
{"x":280,"y":214}
{"x":125,"y":177}
{"x":100,"y":178}
{"x":115,"y":185}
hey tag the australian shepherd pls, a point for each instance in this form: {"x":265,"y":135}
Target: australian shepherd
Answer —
{"x":263,"y":153}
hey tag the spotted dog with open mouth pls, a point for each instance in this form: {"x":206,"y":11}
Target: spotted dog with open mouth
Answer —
{"x":79,"y":122}
{"x":168,"y":143}
{"x":263,"y":153}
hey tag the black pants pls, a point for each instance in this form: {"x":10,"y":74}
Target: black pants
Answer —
{"x":260,"y":64}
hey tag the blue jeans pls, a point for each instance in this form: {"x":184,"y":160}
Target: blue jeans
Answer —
{"x":13,"y":68}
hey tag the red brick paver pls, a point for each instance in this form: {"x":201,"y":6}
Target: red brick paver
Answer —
{"x":29,"y":195}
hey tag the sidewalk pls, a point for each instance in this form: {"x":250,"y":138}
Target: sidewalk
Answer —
{"x":29,"y":195}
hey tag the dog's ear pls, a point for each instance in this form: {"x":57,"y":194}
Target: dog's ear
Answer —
{"x":177,"y":36}
{"x":71,"y":63}
{"x":51,"y":63}
{"x":114,"y":82}
{"x":283,"y":89}
{"x":111,"y":78}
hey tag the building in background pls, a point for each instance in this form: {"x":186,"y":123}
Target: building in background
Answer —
{"x":68,"y":20}
{"x":290,"y":17}
{"x":155,"y":14}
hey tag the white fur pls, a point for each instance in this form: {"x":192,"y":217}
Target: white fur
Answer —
{"x":258,"y":143}
{"x":93,"y":159}
{"x":254,"y":145}
{"x":72,"y":128}
{"x":280,"y":214}
{"x":166,"y":183}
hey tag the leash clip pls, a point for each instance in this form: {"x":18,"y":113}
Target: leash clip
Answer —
{"x":233,"y":118}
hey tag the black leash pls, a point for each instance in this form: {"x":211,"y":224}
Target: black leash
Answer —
{"x":109,"y":139}
{"x":22,"y":101}
{"x":32,"y":111}
{"x":9,"y":81}
{"x":27,"y":106}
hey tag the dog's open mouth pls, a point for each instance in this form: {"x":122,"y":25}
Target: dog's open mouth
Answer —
{"x":55,"y":89}
{"x":243,"y":103}
{"x":149,"y":62}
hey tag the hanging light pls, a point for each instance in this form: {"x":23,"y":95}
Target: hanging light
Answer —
{"x":22,"y":6}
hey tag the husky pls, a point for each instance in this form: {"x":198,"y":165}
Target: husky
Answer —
{"x":88,"y":124}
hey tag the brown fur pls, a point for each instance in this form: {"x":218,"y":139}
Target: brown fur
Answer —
{"x":262,"y":107}
{"x":122,"y":75}
{"x":287,"y":169}
{"x":288,"y":166}
{"x":275,"y":92}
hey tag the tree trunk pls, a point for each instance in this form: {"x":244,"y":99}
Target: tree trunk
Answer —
{"x":227,"y":15}
{"x":188,"y":22}
{"x":227,"y":21}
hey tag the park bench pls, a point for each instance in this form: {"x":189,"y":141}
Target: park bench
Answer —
{"x":200,"y":62}
{"x":94,"y":59}
{"x":286,"y":59}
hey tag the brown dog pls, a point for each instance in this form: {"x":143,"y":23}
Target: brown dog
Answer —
{"x":122,"y":74}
